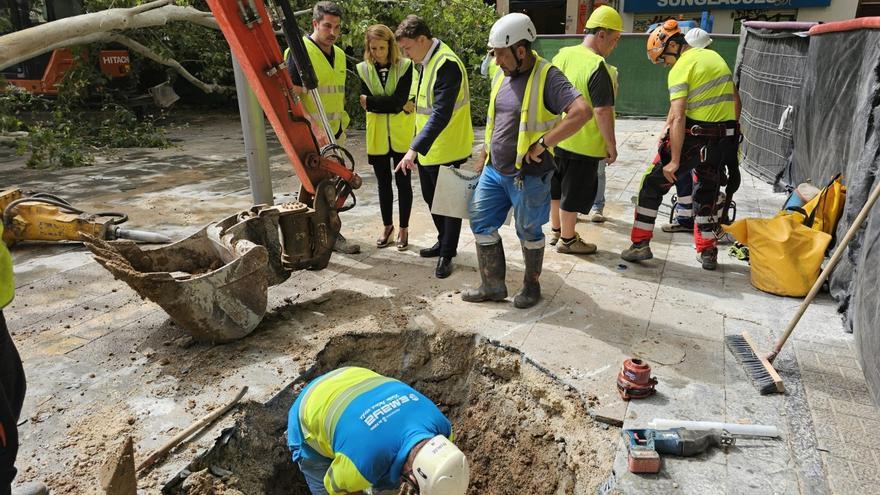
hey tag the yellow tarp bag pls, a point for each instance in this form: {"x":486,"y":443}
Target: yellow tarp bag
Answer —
{"x":785,"y":255}
{"x":823,"y":212}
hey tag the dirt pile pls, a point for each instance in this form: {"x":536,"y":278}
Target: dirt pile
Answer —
{"x":522,"y":429}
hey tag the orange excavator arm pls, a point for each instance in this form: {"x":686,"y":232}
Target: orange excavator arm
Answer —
{"x":249,"y":31}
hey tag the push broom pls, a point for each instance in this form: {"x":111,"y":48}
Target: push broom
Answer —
{"x":760,"y":368}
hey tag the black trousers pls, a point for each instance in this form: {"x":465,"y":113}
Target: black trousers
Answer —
{"x":448,"y":228}
{"x":12,"y":388}
{"x":382,"y":167}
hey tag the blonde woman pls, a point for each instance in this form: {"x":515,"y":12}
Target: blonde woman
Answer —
{"x":386,"y":82}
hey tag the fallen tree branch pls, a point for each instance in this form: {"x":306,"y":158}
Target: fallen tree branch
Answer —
{"x":28,"y":43}
{"x":169,"y":62}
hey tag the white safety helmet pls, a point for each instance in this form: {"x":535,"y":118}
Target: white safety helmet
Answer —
{"x":510,"y":29}
{"x":697,"y":38}
{"x":440,"y":468}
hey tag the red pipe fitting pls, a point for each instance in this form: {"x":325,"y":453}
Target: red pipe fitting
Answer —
{"x":635,"y":381}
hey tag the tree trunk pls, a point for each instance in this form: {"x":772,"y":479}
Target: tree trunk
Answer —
{"x":28,"y":43}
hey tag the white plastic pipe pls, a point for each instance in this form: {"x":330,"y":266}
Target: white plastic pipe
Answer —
{"x":732,"y":428}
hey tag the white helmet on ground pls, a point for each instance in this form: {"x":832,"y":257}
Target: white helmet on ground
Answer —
{"x":697,"y":38}
{"x":440,"y":468}
{"x":510,"y":29}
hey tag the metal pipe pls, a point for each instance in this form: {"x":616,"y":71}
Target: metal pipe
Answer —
{"x":253,"y":128}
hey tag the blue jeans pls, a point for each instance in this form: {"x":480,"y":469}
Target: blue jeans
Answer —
{"x":493,"y":197}
{"x":599,"y":202}
{"x":314,"y":469}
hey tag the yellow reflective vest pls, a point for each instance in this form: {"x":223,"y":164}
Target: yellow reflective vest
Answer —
{"x":7,"y":283}
{"x":578,"y":63}
{"x":331,"y":85}
{"x":457,"y":138}
{"x":535,"y":119}
{"x":703,"y":77}
{"x":387,"y":131}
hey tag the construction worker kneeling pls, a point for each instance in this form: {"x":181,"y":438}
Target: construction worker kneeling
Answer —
{"x":522,"y":126}
{"x":703,"y":137}
{"x":352,"y":429}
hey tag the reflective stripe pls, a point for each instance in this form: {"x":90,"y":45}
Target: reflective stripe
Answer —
{"x":718,"y":81}
{"x":643,"y":225}
{"x":685,"y":200}
{"x":537,"y":126}
{"x":310,"y":436}
{"x":705,"y":219}
{"x":675,"y":88}
{"x":430,"y":109}
{"x":710,"y":101}
{"x":707,"y":234}
{"x":335,"y":410}
{"x":640,"y":210}
{"x":331,"y":89}
{"x":333,"y":484}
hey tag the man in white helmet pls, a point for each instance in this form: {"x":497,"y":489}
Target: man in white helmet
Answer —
{"x":523,"y":125}
{"x":697,"y":38}
{"x":352,"y":429}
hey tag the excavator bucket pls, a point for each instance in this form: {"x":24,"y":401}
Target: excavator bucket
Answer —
{"x":214,"y":284}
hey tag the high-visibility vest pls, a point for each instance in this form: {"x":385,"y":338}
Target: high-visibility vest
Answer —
{"x":703,"y":77}
{"x":331,"y":85}
{"x":457,"y":138}
{"x":7,"y":283}
{"x":535,"y":119}
{"x":578,"y":63}
{"x":386,"y":130}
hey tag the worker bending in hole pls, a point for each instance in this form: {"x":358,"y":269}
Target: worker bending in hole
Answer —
{"x":703,"y":138}
{"x":352,"y":429}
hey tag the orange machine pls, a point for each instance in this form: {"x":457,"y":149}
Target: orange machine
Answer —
{"x":214,"y":284}
{"x":43,"y":74}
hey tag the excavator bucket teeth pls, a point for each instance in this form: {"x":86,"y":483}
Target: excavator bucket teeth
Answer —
{"x":214,"y":284}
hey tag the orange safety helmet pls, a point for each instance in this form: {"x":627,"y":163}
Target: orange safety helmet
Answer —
{"x":659,"y":38}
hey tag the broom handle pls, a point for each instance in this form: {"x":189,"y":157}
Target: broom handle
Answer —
{"x":838,"y":253}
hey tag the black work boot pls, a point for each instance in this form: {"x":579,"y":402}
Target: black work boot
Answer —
{"x":709,"y":258}
{"x":530,"y":293}
{"x":492,"y":271}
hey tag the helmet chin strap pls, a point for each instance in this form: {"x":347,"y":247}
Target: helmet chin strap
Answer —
{"x":518,"y":61}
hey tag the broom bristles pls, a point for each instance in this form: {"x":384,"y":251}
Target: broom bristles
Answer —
{"x":757,"y":368}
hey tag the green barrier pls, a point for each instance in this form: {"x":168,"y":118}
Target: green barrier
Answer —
{"x":642,"y":84}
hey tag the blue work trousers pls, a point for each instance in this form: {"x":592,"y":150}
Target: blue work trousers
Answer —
{"x":496,"y":193}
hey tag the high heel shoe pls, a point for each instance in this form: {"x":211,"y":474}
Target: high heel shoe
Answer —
{"x":402,"y":239}
{"x":385,"y":241}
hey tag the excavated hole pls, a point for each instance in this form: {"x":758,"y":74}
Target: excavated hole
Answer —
{"x":522,"y":429}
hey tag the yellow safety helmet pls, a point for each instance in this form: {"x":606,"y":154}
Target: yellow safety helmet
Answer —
{"x":440,"y":468}
{"x":605,"y":17}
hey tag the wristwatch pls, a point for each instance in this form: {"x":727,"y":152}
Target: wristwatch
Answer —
{"x":541,"y":142}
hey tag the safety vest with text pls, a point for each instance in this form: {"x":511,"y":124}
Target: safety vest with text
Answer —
{"x":578,"y":63}
{"x":7,"y":283}
{"x":365,"y":423}
{"x":704,"y":79}
{"x":386,"y":131}
{"x":457,"y":138}
{"x":331,"y":85}
{"x":535,"y":119}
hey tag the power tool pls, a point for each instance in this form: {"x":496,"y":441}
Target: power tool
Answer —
{"x":646,"y":445}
